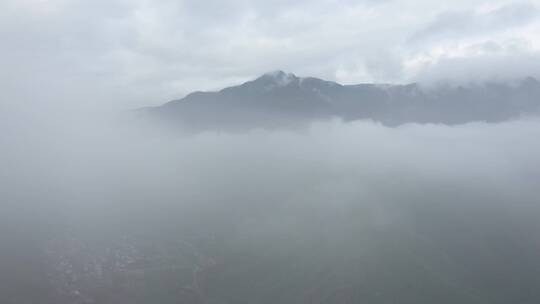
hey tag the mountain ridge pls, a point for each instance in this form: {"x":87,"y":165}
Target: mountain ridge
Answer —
{"x":280,"y":99}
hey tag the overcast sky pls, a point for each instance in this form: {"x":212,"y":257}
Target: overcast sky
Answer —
{"x":122,"y":54}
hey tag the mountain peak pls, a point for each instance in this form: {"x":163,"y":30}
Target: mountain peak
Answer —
{"x":277,"y":73}
{"x":278,"y":77}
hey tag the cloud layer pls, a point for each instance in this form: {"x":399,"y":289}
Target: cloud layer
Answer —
{"x":432,"y":202}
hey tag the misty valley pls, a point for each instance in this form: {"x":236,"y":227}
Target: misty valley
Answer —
{"x":339,"y":210}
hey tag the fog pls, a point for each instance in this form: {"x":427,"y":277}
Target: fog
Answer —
{"x":147,"y":155}
{"x":331,"y":212}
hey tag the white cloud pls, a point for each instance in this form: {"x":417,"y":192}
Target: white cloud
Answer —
{"x":451,"y":25}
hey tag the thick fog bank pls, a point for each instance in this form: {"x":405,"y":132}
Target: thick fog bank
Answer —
{"x":336,"y":212}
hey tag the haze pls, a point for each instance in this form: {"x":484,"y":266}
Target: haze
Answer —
{"x":154,"y":152}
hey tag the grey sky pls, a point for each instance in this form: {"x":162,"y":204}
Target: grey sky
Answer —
{"x":120,"y":54}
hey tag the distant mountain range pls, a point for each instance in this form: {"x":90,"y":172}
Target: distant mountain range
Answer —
{"x":280,"y":99}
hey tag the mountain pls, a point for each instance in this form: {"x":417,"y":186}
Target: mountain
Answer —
{"x":282,"y":99}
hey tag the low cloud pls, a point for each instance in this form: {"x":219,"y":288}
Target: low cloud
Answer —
{"x":478,"y":69}
{"x":330,"y":165}
{"x":324,"y":198}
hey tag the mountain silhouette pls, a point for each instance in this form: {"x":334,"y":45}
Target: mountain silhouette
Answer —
{"x":280,"y":99}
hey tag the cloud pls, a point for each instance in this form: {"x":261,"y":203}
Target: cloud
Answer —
{"x":67,"y":169}
{"x":478,"y":69}
{"x":83,"y":163}
{"x":336,"y":193}
{"x":466,"y":23}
